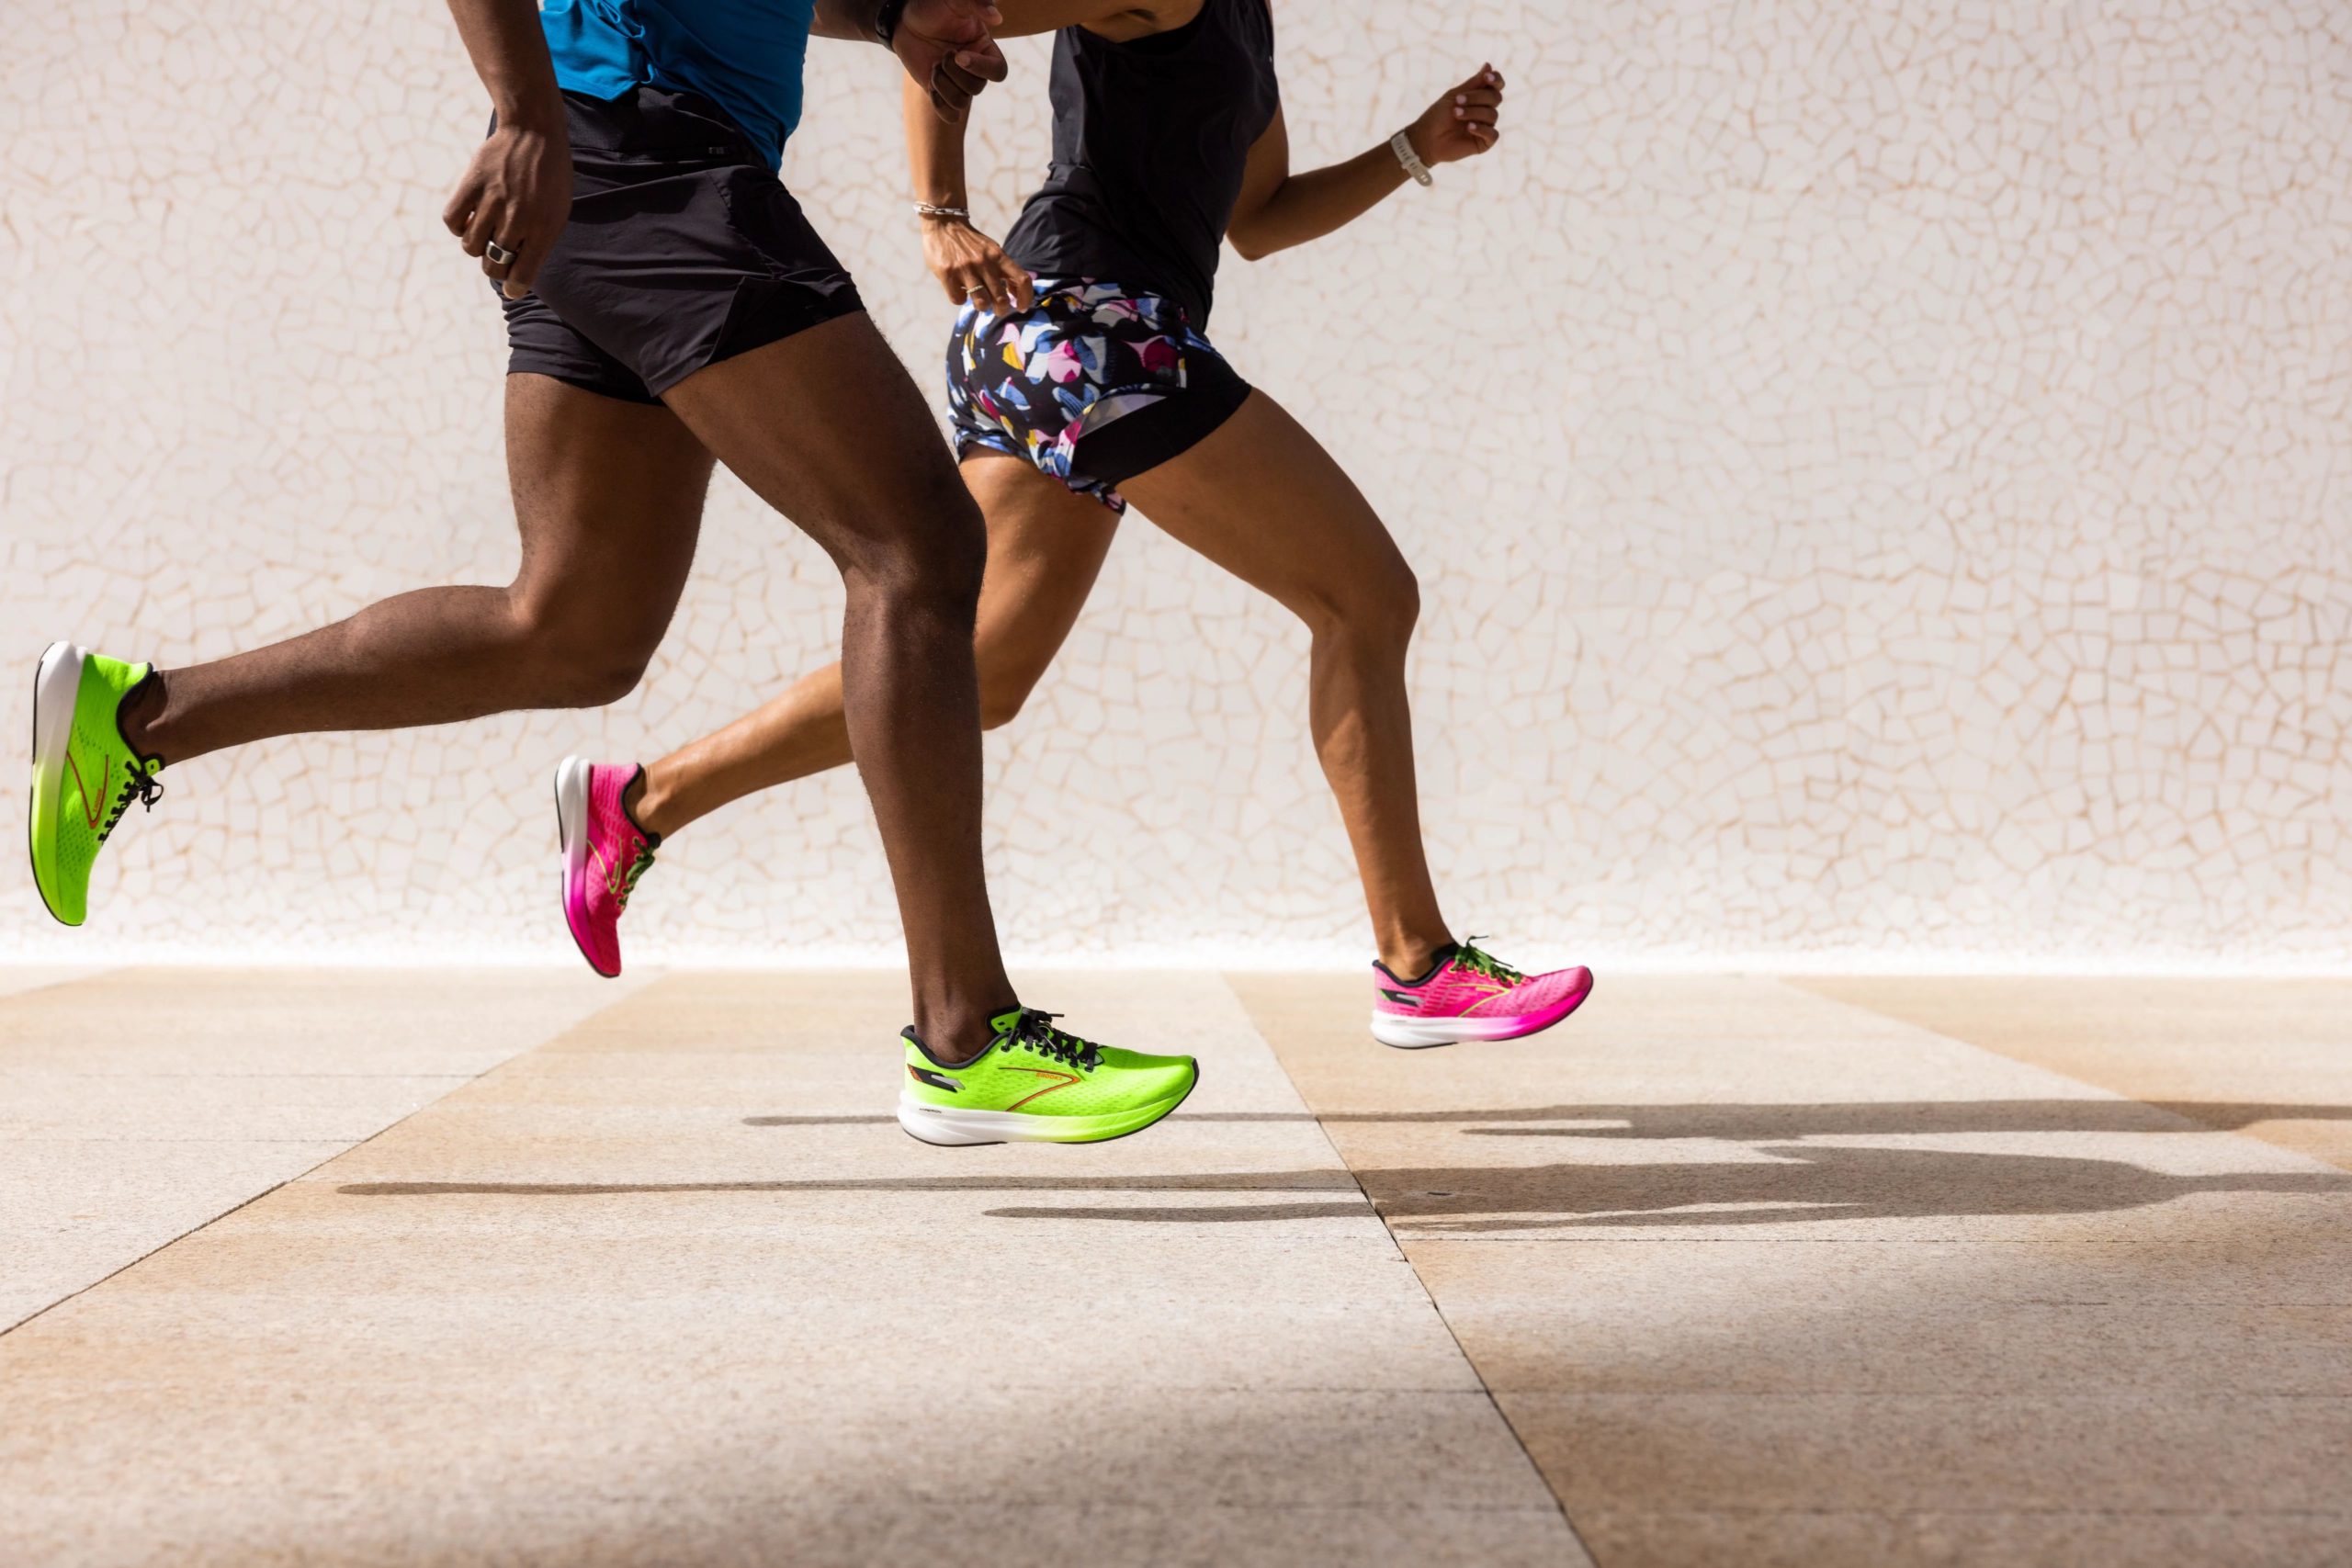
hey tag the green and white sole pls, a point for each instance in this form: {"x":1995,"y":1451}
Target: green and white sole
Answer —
{"x":57,"y":686}
{"x":949,"y":1127}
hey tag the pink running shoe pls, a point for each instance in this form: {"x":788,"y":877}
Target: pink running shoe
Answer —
{"x":605,"y":851}
{"x":1470,"y":994}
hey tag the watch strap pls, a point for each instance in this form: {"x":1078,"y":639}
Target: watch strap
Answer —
{"x":1402,"y":145}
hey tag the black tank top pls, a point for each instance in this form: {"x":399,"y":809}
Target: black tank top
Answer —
{"x":1150,"y":142}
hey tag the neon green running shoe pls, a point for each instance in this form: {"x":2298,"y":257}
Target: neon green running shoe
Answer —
{"x":1036,"y":1083}
{"x":84,"y":774}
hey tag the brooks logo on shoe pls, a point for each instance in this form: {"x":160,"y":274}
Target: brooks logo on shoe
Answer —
{"x":137,"y":783}
{"x":1062,"y":1080}
{"x":615,"y":874}
{"x":620,"y":877}
{"x":93,"y":802}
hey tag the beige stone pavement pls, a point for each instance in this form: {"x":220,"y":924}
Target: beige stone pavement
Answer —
{"x":137,"y":1107}
{"x":524,"y":1269}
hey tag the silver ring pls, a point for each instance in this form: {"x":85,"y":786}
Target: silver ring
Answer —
{"x":499,"y":253}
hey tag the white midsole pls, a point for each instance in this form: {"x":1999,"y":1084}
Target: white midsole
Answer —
{"x":572,"y":818}
{"x":946,"y":1124}
{"x":55,"y":689}
{"x":1412,"y":1033}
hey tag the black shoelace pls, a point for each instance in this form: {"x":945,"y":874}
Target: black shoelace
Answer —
{"x":139,"y":783}
{"x":1034,"y":1031}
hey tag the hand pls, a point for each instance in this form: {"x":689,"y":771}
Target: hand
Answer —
{"x":971,"y":267}
{"x":1462,"y":123}
{"x":946,"y":47}
{"x":515,"y":194}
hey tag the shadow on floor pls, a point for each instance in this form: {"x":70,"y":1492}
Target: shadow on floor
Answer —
{"x":865,"y":1119}
{"x":1213,"y":1182}
{"x":1797,"y":1183}
{"x":1752,"y":1124}
{"x":1793,"y":1182}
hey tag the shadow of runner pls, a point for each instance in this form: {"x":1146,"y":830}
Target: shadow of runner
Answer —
{"x":1753,"y":1123}
{"x":1801,"y":1182}
{"x":1213,"y":1182}
{"x":1761,"y":1124}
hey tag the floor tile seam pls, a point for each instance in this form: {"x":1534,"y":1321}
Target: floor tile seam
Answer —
{"x":1560,"y":1504}
{"x":2059,"y":1395}
{"x":2159,"y":1105}
{"x":2021,"y":1511}
{"x":815,"y":1187}
{"x":2078,"y":1396}
{"x":1423,"y":1238}
{"x":750,"y":1296}
{"x":205,"y":1224}
{"x":1796,"y":987}
{"x":433,"y":1378}
{"x":1417,"y":1238}
{"x":605,"y":1496}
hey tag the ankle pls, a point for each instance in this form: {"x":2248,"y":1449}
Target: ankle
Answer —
{"x":954,"y":1035}
{"x":650,"y":805}
{"x":141,"y":710}
{"x":1410,"y":957}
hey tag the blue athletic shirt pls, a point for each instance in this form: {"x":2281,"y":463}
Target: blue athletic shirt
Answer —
{"x":743,"y":55}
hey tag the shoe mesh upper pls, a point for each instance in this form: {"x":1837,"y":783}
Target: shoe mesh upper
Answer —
{"x":1012,"y":1078}
{"x":1457,"y":991}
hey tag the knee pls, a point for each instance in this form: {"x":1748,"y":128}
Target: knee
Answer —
{"x":1377,"y":611}
{"x":574,"y":662}
{"x":931,"y":565}
{"x":1402,"y":611}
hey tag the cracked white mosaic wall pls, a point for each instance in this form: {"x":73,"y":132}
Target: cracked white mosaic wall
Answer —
{"x":1878,"y":472}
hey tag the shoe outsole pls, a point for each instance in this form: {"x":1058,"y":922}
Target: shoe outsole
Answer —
{"x":908,"y":1126}
{"x":571,"y":841}
{"x":57,"y":685}
{"x":1422,"y":1034}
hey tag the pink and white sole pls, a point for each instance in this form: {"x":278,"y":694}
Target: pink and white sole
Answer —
{"x":571,"y":778}
{"x":1409,"y":1033}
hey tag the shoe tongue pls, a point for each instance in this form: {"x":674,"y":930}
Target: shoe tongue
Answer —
{"x":1004,"y":1022}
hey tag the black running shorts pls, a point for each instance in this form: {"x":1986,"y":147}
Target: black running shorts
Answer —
{"x":683,"y":249}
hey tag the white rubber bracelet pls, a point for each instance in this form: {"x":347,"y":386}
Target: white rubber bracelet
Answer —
{"x":928,"y":210}
{"x":1402,"y":145}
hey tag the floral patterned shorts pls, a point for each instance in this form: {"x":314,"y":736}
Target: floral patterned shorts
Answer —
{"x":1093,"y":384}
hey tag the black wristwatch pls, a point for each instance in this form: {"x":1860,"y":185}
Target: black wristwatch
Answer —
{"x":886,"y":19}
